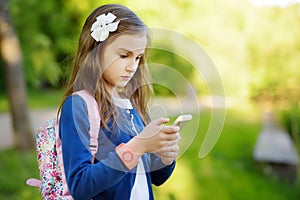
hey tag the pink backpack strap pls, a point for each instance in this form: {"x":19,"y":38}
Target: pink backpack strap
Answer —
{"x":34,"y":182}
{"x":94,"y":119}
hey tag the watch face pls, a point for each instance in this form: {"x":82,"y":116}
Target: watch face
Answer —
{"x":127,"y":156}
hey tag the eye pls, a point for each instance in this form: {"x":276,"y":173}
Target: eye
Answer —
{"x":123,"y":56}
{"x":139,"y":57}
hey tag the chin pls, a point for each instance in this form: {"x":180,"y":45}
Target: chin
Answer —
{"x":122,"y":84}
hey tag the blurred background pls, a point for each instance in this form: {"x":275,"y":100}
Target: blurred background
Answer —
{"x":255,"y":46}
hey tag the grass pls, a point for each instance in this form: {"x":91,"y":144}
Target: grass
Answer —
{"x":15,"y":168}
{"x":228,"y":172}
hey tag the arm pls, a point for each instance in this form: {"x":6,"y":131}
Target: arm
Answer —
{"x":84,"y":179}
{"x":159,"y":171}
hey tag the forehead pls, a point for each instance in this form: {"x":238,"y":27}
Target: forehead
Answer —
{"x":133,"y":43}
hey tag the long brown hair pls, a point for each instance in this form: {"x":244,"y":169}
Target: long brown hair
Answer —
{"x":87,"y":70}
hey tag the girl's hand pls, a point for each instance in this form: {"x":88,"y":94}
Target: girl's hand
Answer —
{"x":169,"y":153}
{"x":155,"y":137}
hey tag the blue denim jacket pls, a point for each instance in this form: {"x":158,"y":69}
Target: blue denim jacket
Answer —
{"x":108,"y":178}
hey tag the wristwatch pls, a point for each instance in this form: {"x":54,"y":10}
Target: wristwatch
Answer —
{"x":128,"y":157}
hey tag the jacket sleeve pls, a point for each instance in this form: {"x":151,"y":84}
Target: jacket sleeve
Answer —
{"x":159,"y":171}
{"x":84,"y":179}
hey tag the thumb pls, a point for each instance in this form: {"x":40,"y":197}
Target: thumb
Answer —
{"x":160,"y":121}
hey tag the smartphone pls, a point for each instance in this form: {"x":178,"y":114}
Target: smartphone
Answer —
{"x":181,"y":120}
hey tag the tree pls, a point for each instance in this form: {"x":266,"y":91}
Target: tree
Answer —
{"x":14,"y":78}
{"x":273,"y":51}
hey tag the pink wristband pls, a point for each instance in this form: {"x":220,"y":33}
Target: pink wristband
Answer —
{"x":128,"y":157}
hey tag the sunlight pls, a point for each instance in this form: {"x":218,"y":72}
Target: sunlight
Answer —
{"x":182,"y":184}
{"x":279,"y":3}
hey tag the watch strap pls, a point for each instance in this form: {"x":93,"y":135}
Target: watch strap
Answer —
{"x":128,"y":157}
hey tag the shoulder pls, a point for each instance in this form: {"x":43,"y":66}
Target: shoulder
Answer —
{"x":74,"y":101}
{"x":73,"y":114}
{"x":74,"y":104}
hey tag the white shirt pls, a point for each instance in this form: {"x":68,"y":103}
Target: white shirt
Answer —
{"x":140,"y":188}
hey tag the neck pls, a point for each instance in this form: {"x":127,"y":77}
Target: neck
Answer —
{"x":115,"y":92}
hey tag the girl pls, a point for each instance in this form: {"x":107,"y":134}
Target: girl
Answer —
{"x":133,"y":152}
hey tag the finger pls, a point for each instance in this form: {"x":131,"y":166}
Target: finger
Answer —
{"x":174,"y":136}
{"x":160,"y":121}
{"x":169,"y":155}
{"x":169,"y":143}
{"x":167,"y":161}
{"x":167,"y":149}
{"x":170,"y":129}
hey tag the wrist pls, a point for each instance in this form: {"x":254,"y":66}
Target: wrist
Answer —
{"x":128,"y":156}
{"x":137,"y":146}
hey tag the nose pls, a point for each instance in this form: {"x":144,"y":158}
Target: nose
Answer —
{"x":131,"y":66}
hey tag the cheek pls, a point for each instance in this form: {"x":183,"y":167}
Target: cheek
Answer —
{"x":109,"y":74}
{"x":113,"y":72}
{"x":112,"y":67}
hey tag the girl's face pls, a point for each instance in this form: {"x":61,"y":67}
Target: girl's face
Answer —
{"x":121,"y":59}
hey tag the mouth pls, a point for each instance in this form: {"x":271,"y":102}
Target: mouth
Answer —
{"x":126,"y":77}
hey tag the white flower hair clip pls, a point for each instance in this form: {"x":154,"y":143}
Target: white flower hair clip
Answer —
{"x":103,"y":25}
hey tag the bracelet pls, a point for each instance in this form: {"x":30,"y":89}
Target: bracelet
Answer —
{"x":128,"y":157}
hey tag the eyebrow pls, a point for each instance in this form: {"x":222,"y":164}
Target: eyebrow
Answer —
{"x":129,"y":51}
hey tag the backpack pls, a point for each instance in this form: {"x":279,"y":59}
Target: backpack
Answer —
{"x":52,"y":183}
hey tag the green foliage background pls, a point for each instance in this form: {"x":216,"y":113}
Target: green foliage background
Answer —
{"x":255,"y":49}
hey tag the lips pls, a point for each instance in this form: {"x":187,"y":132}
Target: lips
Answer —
{"x":126,"y":77}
